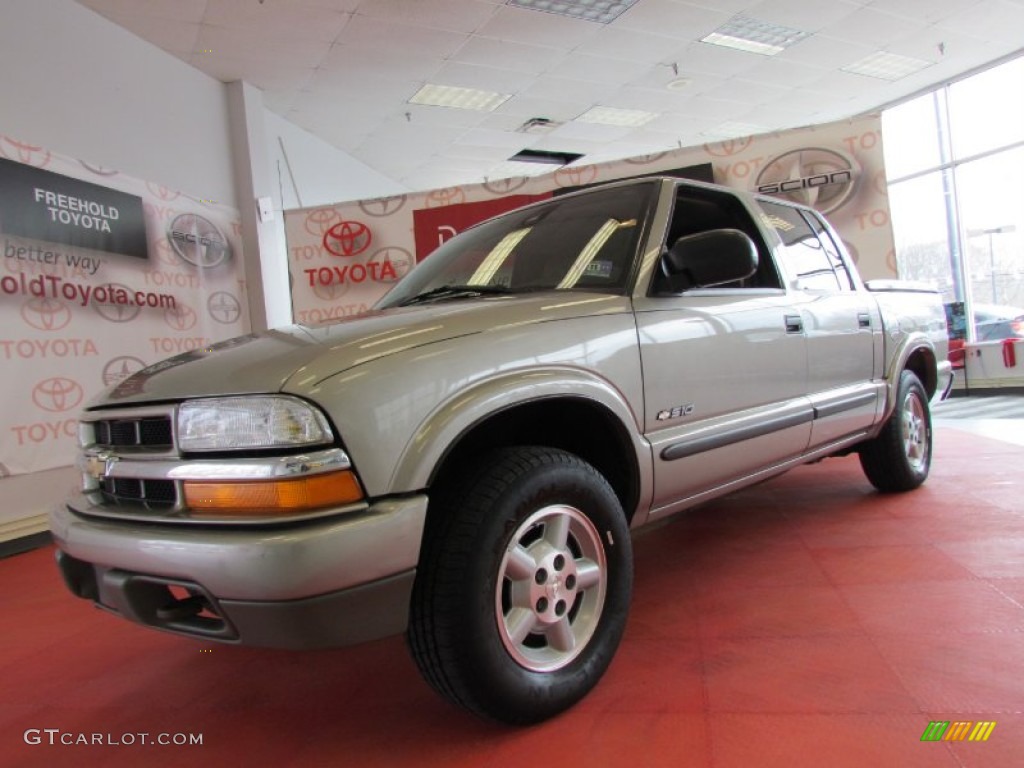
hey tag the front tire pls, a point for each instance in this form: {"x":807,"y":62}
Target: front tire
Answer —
{"x":900,"y":457}
{"x":524,"y":585}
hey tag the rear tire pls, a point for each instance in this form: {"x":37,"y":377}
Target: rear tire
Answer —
{"x":900,"y":457}
{"x":524,"y":585}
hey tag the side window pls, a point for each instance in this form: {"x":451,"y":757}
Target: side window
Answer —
{"x":702,"y":210}
{"x":829,"y":244}
{"x":803,"y":256}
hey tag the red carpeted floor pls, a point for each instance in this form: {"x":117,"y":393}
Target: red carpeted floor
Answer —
{"x":805,"y":622}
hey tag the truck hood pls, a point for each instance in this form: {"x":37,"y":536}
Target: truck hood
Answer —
{"x":264,"y":362}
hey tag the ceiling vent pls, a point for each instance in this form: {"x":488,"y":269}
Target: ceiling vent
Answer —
{"x":537,"y":125}
{"x":544,"y":157}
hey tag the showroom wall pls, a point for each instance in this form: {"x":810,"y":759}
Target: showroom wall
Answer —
{"x":343,"y":257}
{"x":90,"y":100}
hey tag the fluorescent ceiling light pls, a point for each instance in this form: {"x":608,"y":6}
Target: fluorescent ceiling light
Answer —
{"x":753,"y":36}
{"x":459,"y":98}
{"x":887,"y":66}
{"x":629,"y":118}
{"x":601,"y":11}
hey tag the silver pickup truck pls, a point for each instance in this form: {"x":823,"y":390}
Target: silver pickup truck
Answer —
{"x":465,"y":462}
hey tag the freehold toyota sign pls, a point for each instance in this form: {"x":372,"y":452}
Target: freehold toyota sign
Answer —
{"x":47,"y":206}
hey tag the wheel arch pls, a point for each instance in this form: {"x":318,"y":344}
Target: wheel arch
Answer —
{"x":565,"y":409}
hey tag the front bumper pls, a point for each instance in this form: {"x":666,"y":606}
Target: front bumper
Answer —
{"x":319,"y":583}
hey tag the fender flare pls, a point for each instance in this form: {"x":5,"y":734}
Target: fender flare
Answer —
{"x":442,"y":429}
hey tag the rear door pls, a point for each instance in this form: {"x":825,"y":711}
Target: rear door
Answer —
{"x":840,"y":321}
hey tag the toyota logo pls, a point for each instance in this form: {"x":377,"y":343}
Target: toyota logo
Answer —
{"x":505,"y":186}
{"x":223,"y":307}
{"x":821,"y":178}
{"x":729,"y":147}
{"x":382,"y":206}
{"x":400,"y":259}
{"x":114,"y":312}
{"x":99,"y":170}
{"x":46,"y":314}
{"x":180,"y":317}
{"x":320,"y":220}
{"x":120,"y":368}
{"x":198,"y":241}
{"x":646,"y":159}
{"x":347,"y":238}
{"x":57,"y":394}
{"x":439,"y":198}
{"x":576,"y":177}
{"x":161,"y":192}
{"x":24,"y":153}
{"x":330,"y":292}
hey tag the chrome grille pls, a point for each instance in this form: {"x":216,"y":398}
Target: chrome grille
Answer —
{"x":147,"y":432}
{"x":152,"y":493}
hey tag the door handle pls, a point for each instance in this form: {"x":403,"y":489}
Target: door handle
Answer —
{"x":863,"y":320}
{"x":794,"y":324}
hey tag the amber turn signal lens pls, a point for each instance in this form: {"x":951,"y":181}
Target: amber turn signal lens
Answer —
{"x":273,"y":497}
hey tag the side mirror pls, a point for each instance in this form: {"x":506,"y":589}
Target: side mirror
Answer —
{"x":712,"y":258}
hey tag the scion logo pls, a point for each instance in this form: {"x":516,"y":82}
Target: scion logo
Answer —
{"x":120,"y":368}
{"x":197,"y":240}
{"x":347,"y":238}
{"x":24,"y":153}
{"x":319,"y":221}
{"x":822,"y":178}
{"x":223,"y":307}
{"x":383,"y":206}
{"x":46,"y":314}
{"x":180,"y":317}
{"x":448,"y":196}
{"x":401,"y":262}
{"x":575,"y":177}
{"x":505,"y":186}
{"x":117,"y":313}
{"x":57,"y":394}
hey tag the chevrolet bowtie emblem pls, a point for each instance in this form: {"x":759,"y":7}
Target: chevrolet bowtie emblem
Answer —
{"x":98,"y":465}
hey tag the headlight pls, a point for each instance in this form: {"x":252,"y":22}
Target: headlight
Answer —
{"x":246,"y":423}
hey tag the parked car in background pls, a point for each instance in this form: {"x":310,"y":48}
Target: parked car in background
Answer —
{"x":993,"y":322}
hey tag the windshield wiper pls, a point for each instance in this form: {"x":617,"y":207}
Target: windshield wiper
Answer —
{"x":453,"y":292}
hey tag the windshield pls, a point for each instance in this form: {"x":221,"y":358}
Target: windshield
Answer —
{"x":586,"y":242}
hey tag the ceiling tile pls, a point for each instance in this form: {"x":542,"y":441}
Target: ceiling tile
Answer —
{"x":266,"y":75}
{"x":381,"y":64}
{"x":484,"y":78}
{"x":538,"y":28}
{"x":871,"y":28}
{"x":176,"y":37}
{"x":455,"y":15}
{"x":927,"y":11}
{"x":170,"y":10}
{"x":310,"y":22}
{"x":584,"y":66}
{"x":507,"y":55}
{"x":618,"y":43}
{"x":800,"y":14}
{"x":259,"y":44}
{"x":390,"y":36}
{"x":681,"y":21}
{"x":525,"y":107}
{"x":990,"y":19}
